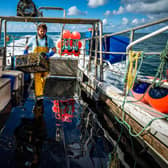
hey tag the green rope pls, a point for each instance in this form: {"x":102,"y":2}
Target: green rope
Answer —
{"x":164,"y":59}
{"x":146,"y":126}
{"x":124,"y":101}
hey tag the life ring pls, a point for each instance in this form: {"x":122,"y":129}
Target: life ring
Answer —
{"x":157,"y":97}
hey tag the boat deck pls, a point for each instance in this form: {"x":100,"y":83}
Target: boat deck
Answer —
{"x":141,"y":120}
{"x":34,"y":135}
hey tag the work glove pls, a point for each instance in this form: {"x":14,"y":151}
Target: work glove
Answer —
{"x":25,"y":52}
{"x":48,"y":55}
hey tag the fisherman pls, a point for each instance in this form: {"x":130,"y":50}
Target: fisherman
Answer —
{"x":41,"y":43}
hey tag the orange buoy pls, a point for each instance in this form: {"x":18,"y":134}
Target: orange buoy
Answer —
{"x":89,"y":29}
{"x":157,"y":97}
{"x":7,"y":38}
{"x":75,"y":35}
{"x":79,"y":44}
{"x":59,"y":43}
{"x":66,"y":34}
{"x":138,"y":91}
{"x":59,"y":51}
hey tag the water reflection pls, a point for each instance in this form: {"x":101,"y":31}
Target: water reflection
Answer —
{"x":29,"y":136}
{"x":49,"y":140}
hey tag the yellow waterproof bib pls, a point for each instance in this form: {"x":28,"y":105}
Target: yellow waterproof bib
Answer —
{"x":40,"y":77}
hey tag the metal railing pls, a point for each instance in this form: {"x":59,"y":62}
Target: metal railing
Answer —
{"x":132,"y":31}
{"x":96,"y":40}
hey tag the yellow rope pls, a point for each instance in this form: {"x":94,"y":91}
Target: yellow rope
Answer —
{"x":133,"y":64}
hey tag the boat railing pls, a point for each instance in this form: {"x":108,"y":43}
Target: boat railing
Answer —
{"x":4,"y":20}
{"x":94,"y":53}
{"x":52,"y":8}
{"x":146,"y":37}
{"x":129,"y":33}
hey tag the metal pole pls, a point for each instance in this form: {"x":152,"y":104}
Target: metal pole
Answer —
{"x":100,"y":48}
{"x":13,"y":47}
{"x":0,"y":27}
{"x":147,"y":37}
{"x":53,"y":8}
{"x":96,"y":49}
{"x":132,"y":35}
{"x":5,"y":28}
{"x":91,"y":48}
{"x":84,"y":53}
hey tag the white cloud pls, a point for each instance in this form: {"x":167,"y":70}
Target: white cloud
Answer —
{"x":135,"y":21}
{"x":73,"y":10}
{"x":144,"y":6}
{"x":107,"y":13}
{"x":105,"y":22}
{"x":124,"y":21}
{"x":119,"y":11}
{"x":96,"y":3}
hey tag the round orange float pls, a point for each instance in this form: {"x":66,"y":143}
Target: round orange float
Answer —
{"x":138,"y":91}
{"x":66,"y":34}
{"x":7,"y":38}
{"x":157,"y":97}
{"x":75,"y":35}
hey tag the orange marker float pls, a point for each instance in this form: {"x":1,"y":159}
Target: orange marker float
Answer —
{"x":157,"y":97}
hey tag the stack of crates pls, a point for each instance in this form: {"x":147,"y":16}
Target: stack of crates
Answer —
{"x":61,"y":83}
{"x":17,"y":84}
{"x":5,"y":93}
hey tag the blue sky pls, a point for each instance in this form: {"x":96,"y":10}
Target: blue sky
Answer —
{"x":116,"y":15}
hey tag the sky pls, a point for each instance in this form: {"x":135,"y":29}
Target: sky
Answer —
{"x":116,"y":15}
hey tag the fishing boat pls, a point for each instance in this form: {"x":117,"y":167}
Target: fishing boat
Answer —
{"x":63,"y":128}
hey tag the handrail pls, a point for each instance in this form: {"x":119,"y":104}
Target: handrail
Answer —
{"x":163,"y":29}
{"x":146,"y":37}
{"x":139,"y":27}
{"x":52,"y":8}
{"x":50,"y":20}
{"x":134,"y":28}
